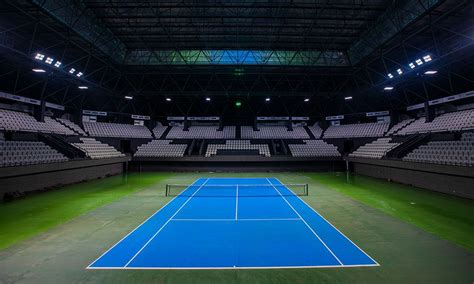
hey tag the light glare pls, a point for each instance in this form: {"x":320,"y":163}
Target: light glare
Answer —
{"x":39,"y":56}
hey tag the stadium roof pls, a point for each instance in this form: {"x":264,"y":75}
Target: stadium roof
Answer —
{"x":325,"y":50}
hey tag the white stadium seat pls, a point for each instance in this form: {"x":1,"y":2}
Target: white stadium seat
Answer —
{"x":161,"y":148}
{"x":314,"y":148}
{"x":118,"y":130}
{"x":274,"y":132}
{"x":376,"y":149}
{"x":97,"y":150}
{"x":263,"y":149}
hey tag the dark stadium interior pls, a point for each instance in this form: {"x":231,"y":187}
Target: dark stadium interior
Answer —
{"x":366,"y":104}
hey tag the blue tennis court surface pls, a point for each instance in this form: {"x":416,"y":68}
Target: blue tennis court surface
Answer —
{"x":234,"y":223}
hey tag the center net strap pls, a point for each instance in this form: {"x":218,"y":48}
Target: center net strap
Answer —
{"x":240,"y":190}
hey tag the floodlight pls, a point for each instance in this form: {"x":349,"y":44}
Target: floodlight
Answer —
{"x":419,"y":61}
{"x":208,"y":99}
{"x":38,"y":70}
{"x":427,"y":58}
{"x":431,"y":72}
{"x":390,"y":75}
{"x":399,"y":71}
{"x":39,"y":56}
{"x":83,"y":87}
{"x":49,"y":60}
{"x":57,"y":64}
{"x":72,"y":71}
{"x":128,"y":97}
{"x":79,"y":74}
{"x":412,"y":65}
{"x":306,"y":100}
{"x":388,"y":88}
{"x":267,"y":99}
{"x":348,"y":98}
{"x":168,"y":99}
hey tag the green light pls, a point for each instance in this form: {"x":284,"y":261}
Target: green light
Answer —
{"x":239,"y":71}
{"x":238,"y":103}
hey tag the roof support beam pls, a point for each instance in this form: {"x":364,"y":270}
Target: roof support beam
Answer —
{"x":237,"y":57}
{"x":76,"y":16}
{"x":398,"y":16}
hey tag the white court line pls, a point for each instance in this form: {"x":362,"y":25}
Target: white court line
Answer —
{"x":376,"y":263}
{"x":227,"y":220}
{"x":302,"y":219}
{"x":164,"y":225}
{"x":236,"y":201}
{"x":156,"y":212}
{"x":233,"y":267}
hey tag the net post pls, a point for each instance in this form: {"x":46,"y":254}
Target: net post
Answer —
{"x":166,"y":190}
{"x":306,"y":189}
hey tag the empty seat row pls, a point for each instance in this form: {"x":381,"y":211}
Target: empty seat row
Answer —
{"x":314,"y":148}
{"x":263,"y":149}
{"x":459,"y":152}
{"x":72,"y":125}
{"x":316,"y":130}
{"x":119,"y":130}
{"x":201,"y":132}
{"x":20,"y":121}
{"x":158,"y":130}
{"x":399,"y":126}
{"x":357,"y":130}
{"x":453,"y":121}
{"x":274,"y":132}
{"x":376,"y":149}
{"x":20,"y":153}
{"x":161,"y":148}
{"x":97,"y":150}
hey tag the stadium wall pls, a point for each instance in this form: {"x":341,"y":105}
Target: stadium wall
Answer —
{"x":453,"y":180}
{"x":237,"y":164}
{"x":41,"y":177}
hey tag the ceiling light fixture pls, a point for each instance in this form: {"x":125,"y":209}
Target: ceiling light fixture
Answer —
{"x":39,"y":56}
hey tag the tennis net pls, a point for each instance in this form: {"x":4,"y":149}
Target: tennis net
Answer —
{"x":241,"y":190}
